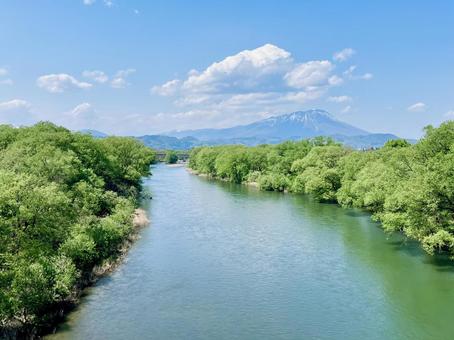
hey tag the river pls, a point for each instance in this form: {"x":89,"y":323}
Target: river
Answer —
{"x":225,"y":261}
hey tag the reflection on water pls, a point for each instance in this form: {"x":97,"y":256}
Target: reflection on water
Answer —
{"x":226,"y":261}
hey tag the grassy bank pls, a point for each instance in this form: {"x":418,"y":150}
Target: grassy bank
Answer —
{"x":408,"y":188}
{"x":67,"y":206}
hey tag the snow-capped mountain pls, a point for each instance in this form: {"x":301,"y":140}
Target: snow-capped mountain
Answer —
{"x":295,"y":125}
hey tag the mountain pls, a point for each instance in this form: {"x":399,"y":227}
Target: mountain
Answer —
{"x":295,"y":125}
{"x":94,"y":133}
{"x":291,"y":126}
{"x":160,"y":142}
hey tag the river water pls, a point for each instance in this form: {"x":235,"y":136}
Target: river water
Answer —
{"x":224,"y":261}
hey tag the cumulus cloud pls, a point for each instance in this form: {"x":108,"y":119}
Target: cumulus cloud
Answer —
{"x":119,"y":81}
{"x":57,"y":83}
{"x":367,"y":76}
{"x":167,"y":89}
{"x":344,"y":55}
{"x":264,"y":69}
{"x":340,"y":99}
{"x":249,"y":85}
{"x":81,"y":116}
{"x":97,"y":76}
{"x":312,"y":73}
{"x":16,"y":112}
{"x":89,"y":2}
{"x":417,"y":107}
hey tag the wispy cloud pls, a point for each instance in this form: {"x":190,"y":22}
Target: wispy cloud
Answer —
{"x":119,"y":81}
{"x":57,"y":83}
{"x":5,"y":81}
{"x":14,"y":104}
{"x":89,"y":2}
{"x":350,"y":74}
{"x":450,"y":114}
{"x":346,"y":109}
{"x":417,"y":107}
{"x":344,"y":55}
{"x":97,"y":76}
{"x":340,"y":99}
{"x":16,"y":112}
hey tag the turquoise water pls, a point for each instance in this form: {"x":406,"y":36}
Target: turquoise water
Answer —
{"x":224,"y":261}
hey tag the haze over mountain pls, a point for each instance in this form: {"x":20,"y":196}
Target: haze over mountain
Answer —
{"x":300,"y":124}
{"x":291,"y":126}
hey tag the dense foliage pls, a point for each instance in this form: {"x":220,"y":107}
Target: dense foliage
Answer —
{"x":409,"y":188}
{"x":171,"y":157}
{"x":66,"y":205}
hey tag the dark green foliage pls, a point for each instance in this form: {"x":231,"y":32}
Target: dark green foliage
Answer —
{"x":66,"y":205}
{"x":171,"y":157}
{"x":408,"y":188}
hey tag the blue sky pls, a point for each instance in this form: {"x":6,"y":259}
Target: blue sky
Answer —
{"x":141,"y":67}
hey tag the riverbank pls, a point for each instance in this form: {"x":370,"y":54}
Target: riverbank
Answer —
{"x":57,"y":313}
{"x":406,"y":187}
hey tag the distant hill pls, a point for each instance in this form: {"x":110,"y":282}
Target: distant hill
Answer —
{"x":292,"y":126}
{"x":94,"y":133}
{"x":372,"y":140}
{"x":167,"y":142}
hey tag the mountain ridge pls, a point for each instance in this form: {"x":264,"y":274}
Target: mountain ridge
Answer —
{"x":301,"y":124}
{"x":276,"y":129}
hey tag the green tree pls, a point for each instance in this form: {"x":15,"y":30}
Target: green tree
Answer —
{"x":171,"y":157}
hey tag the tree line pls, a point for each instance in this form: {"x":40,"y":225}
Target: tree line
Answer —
{"x":66,"y":205}
{"x":408,"y":188}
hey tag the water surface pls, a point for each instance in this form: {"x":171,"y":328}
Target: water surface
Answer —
{"x":224,"y":261}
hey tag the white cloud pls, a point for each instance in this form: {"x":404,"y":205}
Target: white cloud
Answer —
{"x":417,"y":107}
{"x":367,"y":76}
{"x":249,"y":85}
{"x":346,"y":109}
{"x":89,"y":2}
{"x":243,"y":71}
{"x":335,"y":80}
{"x":57,"y":83}
{"x":349,"y":73}
{"x":119,"y":81}
{"x":344,"y":55}
{"x":14,"y":104}
{"x":136,"y":11}
{"x":312,"y":73}
{"x":82,"y":116}
{"x":167,"y":89}
{"x":264,"y":69}
{"x":97,"y":76}
{"x":108,"y":3}
{"x":6,"y":81}
{"x":340,"y":99}
{"x":80,"y":109}
{"x":450,"y":114}
{"x":16,"y":112}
